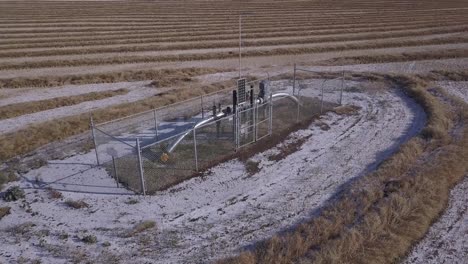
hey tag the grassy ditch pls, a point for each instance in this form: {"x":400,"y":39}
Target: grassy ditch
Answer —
{"x":14,"y":110}
{"x":376,"y":218}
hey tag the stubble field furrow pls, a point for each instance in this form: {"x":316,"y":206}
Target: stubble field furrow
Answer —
{"x":208,"y":36}
{"x":225,"y":55}
{"x":217,"y":44}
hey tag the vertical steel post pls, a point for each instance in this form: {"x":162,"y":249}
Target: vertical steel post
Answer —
{"x":321,"y":103}
{"x":202,"y":112}
{"x":94,"y":139}
{"x":342,"y":87}
{"x":234,"y":119}
{"x":155,"y":123}
{"x":255,"y":121}
{"x":298,"y":111}
{"x":240,"y":45}
{"x":294,"y":80}
{"x":235,"y":129}
{"x":140,"y":167}
{"x":239,"y":127}
{"x":270,"y":122}
{"x":115,"y":172}
{"x":195,"y":149}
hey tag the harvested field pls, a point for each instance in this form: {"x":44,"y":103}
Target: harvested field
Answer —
{"x":128,"y":34}
{"x":365,"y":182}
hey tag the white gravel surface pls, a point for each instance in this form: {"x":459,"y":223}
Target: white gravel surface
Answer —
{"x":446,"y":241}
{"x":459,"y":89}
{"x":209,"y":216}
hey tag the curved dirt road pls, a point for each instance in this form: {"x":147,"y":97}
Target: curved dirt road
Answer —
{"x":226,"y":209}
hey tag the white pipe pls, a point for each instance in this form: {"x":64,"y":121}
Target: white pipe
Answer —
{"x":221,"y":115}
{"x":197,"y":125}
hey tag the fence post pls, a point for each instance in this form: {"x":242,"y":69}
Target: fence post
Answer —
{"x":155,"y":123}
{"x":236,"y":128}
{"x":321,"y":103}
{"x":342,"y":87}
{"x":195,"y":149}
{"x":115,"y":172}
{"x":140,"y":167}
{"x":294,"y":80}
{"x":255,"y":121}
{"x":94,"y":139}
{"x":202,"y":112}
{"x":270,"y":123}
{"x":298,"y":111}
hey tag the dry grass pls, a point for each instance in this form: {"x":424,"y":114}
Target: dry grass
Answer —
{"x":164,"y":77}
{"x":14,"y":110}
{"x":251,"y":167}
{"x":54,"y":194}
{"x":346,"y":110}
{"x":376,"y":218}
{"x":6,"y":177}
{"x":140,"y":227}
{"x":457,"y":76}
{"x":89,"y":239}
{"x":4,"y":211}
{"x":76,"y":204}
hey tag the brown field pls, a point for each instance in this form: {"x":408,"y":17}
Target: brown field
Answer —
{"x":126,"y":57}
{"x":19,"y":109}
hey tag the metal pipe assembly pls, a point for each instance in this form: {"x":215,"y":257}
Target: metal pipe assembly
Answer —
{"x":259,"y":100}
{"x":197,"y":125}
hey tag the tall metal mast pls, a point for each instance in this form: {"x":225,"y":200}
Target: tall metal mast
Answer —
{"x":240,"y":45}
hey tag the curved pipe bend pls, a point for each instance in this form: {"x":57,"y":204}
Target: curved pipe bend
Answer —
{"x":292,"y":97}
{"x":221,"y":115}
{"x":197,"y":125}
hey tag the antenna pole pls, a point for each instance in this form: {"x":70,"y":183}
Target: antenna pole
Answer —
{"x":240,"y":45}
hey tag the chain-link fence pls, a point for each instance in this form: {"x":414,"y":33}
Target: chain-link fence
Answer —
{"x":328,"y":88}
{"x":153,"y":150}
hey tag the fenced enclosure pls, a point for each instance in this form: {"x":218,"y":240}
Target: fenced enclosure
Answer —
{"x":154,"y":150}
